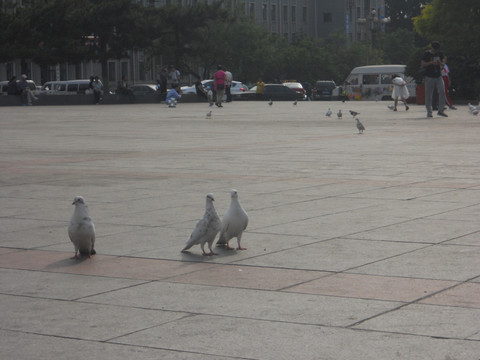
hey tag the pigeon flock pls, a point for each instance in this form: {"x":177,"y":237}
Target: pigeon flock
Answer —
{"x":81,"y":229}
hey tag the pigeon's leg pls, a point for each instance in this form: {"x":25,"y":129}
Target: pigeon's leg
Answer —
{"x":76,"y":255}
{"x":239,"y":238}
{"x":211,"y":250}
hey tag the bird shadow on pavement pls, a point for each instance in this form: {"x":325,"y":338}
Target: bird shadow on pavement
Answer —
{"x":67,"y":262}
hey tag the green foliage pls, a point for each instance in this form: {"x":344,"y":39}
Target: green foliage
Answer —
{"x":457,"y":27}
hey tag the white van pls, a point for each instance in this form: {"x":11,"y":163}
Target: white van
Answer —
{"x":374,"y":82}
{"x":69,"y":87}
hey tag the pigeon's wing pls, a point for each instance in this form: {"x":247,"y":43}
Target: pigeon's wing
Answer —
{"x":198,"y":233}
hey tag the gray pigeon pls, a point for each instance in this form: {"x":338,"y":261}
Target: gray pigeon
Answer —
{"x":207,"y":228}
{"x":81,"y":229}
{"x":473,"y":109}
{"x":328,"y":113}
{"x":234,"y":222}
{"x":295,"y":103}
{"x":270,"y":102}
{"x":209,"y":114}
{"x":354,"y":113}
{"x":339,"y":114}
{"x":360,"y":126}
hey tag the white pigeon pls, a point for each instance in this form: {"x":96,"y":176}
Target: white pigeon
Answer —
{"x":328,"y":113}
{"x":234,"y":222}
{"x":339,"y":114}
{"x":270,"y":102}
{"x":206,"y":229}
{"x":209,"y":114}
{"x":473,"y":109}
{"x":81,"y":229}
{"x":360,"y":126}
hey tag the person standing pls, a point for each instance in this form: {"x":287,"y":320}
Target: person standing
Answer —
{"x":446,"y":82}
{"x":97,"y":89}
{"x":228,"y":85}
{"x":399,"y":91}
{"x":174,"y":76}
{"x":163,"y":80}
{"x":433,"y":60}
{"x":219,"y":80}
{"x":260,"y":87}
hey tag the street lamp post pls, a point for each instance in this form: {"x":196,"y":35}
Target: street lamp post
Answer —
{"x":372,"y":22}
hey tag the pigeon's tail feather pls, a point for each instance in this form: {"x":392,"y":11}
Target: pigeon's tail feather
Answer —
{"x":221,"y":240}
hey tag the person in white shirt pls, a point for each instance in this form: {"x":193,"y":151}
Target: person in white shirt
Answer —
{"x":400,"y":91}
{"x":228,"y":84}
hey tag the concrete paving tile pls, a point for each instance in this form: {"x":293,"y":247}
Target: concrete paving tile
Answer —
{"x":333,"y":255}
{"x":462,"y":196}
{"x":253,"y":339}
{"x":41,"y":347}
{"x":469,"y":213}
{"x":441,"y":262}
{"x":372,"y":287}
{"x":421,"y":231}
{"x":269,"y":305}
{"x":77,"y":320}
{"x":465,"y":295}
{"x":57,"y":286}
{"x":428,"y":320}
{"x":36,"y":259}
{"x":399,"y":193}
{"x":48,"y":234}
{"x":470,"y":239}
{"x":249,"y":277}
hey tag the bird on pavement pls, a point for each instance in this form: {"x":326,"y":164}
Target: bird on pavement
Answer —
{"x":295,"y":103}
{"x":270,"y":102}
{"x":328,"y":113}
{"x":209,"y":114}
{"x":354,"y":113}
{"x":206,"y":229}
{"x":234,"y":222}
{"x":473,"y":109}
{"x":339,"y":114}
{"x":360,"y":126}
{"x":81,"y":229}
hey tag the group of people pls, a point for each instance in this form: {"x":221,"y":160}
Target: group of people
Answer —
{"x":437,"y":79}
{"x":21,"y":88}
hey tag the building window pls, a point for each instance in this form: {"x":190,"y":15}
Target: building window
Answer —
{"x":294,"y":14}
{"x":304,"y":14}
{"x":264,"y":12}
{"x":285,"y":13}
{"x":327,"y":17}
{"x":273,"y":15}
{"x":251,"y":10}
{"x":124,"y":69}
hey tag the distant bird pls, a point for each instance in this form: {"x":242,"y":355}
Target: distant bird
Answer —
{"x":295,"y":103}
{"x":234,"y":222}
{"x":328,"y":113}
{"x":339,"y":114}
{"x":354,"y":113}
{"x":206,"y":229}
{"x":209,"y":114}
{"x":391,"y":107}
{"x":473,"y":109}
{"x":360,"y":126}
{"x":211,"y":103}
{"x":81,"y":229}
{"x":270,"y":102}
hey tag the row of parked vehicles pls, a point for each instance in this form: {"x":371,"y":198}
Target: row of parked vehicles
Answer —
{"x":363,"y":83}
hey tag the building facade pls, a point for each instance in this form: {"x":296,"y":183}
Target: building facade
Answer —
{"x":357,"y":19}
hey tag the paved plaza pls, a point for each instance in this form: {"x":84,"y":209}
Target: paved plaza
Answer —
{"x":359,"y":247}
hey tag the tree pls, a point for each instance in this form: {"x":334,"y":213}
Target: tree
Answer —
{"x":460,"y":42}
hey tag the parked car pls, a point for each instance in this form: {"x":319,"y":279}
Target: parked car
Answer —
{"x":238,"y":89}
{"x":326,"y":90}
{"x":275,"y":92}
{"x":295,"y":86}
{"x":53,"y":88}
{"x":143,"y":89}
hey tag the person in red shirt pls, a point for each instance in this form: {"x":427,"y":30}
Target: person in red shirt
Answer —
{"x":219,"y":79}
